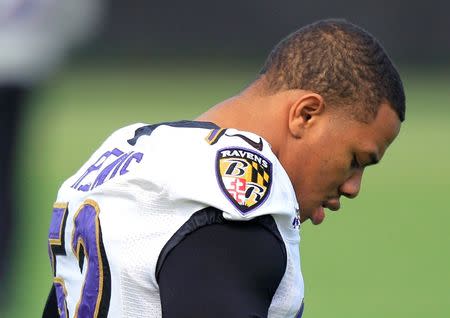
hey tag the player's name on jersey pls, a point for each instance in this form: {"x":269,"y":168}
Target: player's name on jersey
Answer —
{"x":109,"y":165}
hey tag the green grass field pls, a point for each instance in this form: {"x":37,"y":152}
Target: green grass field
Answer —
{"x":385,"y":254}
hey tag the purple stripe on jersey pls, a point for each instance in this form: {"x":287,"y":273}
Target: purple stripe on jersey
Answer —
{"x":56,"y":223}
{"x":213,"y":134}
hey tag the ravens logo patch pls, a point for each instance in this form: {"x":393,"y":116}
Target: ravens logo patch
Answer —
{"x":244,"y":176}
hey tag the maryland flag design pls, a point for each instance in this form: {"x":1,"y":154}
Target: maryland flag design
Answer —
{"x":244,"y":176}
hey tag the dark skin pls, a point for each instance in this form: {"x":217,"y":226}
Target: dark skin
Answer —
{"x":323,"y":150}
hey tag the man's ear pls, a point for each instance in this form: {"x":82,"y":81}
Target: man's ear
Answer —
{"x":303,"y":113}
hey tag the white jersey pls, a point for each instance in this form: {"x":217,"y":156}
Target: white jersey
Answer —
{"x":115,"y":215}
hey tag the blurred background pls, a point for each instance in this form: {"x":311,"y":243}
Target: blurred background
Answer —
{"x":72,"y":72}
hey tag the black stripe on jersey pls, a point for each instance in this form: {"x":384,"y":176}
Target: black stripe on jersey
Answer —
{"x":148,"y":130}
{"x":212,"y":267}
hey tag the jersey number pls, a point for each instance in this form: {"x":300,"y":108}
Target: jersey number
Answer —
{"x":87,"y":245}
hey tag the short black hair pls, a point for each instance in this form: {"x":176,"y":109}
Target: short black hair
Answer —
{"x":340,"y":61}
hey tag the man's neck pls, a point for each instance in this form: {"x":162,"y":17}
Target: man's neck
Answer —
{"x":249,"y":111}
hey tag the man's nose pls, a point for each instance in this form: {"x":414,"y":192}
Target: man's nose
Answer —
{"x":350,"y":188}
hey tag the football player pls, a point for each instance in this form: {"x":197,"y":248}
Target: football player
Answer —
{"x":201,"y":218}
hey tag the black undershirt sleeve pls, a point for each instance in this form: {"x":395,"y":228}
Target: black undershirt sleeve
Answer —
{"x":231,"y":269}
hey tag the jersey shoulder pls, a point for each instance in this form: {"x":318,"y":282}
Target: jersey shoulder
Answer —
{"x":245,"y":167}
{"x":232,"y":170}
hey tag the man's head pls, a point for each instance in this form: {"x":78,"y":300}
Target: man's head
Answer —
{"x":347,"y":110}
{"x":330,"y":102}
